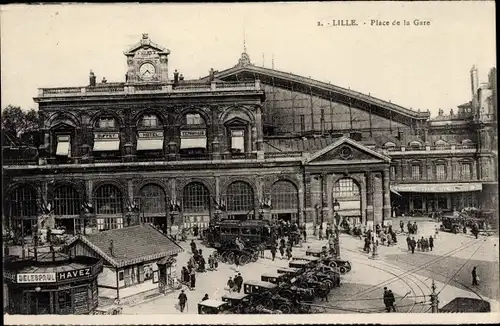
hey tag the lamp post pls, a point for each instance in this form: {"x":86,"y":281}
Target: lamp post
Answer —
{"x":336,"y":208}
{"x":315,"y":220}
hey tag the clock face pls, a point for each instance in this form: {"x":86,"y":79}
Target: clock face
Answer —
{"x":147,"y":71}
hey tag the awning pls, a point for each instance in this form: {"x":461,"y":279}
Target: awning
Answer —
{"x":106,"y":145}
{"x":149,"y":144}
{"x":62,"y":148}
{"x":198,"y":142}
{"x":437,"y":187}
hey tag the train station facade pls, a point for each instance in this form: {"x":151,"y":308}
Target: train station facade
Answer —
{"x":245,"y":143}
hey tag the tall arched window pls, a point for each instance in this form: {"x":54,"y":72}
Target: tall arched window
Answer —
{"x":240,"y":197}
{"x":67,"y":201}
{"x":347,"y":192}
{"x":21,"y":203}
{"x":441,"y":144}
{"x":152,"y":200}
{"x":415,"y":145}
{"x":195,"y":198}
{"x":108,"y":200}
{"x":284,"y":195}
{"x":389,"y":145}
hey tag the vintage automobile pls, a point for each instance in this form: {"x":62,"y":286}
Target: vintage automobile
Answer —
{"x":301,"y":264}
{"x":291,"y":271}
{"x":343,"y":265}
{"x":251,"y":232}
{"x":212,"y":307}
{"x":238,"y":303}
{"x":466,"y":305}
{"x":254,"y":286}
{"x":275,"y":278}
{"x":314,"y":260}
{"x":452,"y":224}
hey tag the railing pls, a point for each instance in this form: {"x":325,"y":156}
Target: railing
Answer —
{"x":431,"y":148}
{"x":159,"y":87}
{"x":283,"y":154}
{"x":29,"y":161}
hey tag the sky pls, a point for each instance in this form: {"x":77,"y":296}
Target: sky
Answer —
{"x":418,"y":67}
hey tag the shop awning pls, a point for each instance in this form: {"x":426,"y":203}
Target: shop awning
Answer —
{"x":198,"y":142}
{"x":149,"y":144}
{"x":106,"y":145}
{"x":62,"y":148}
{"x":437,"y":187}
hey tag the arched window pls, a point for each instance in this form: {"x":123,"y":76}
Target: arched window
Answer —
{"x":149,"y":121}
{"x":22,"y":203}
{"x":106,"y":122}
{"x":240,"y":197}
{"x":441,"y":144}
{"x":415,"y":144}
{"x":193,"y":119}
{"x":466,"y":170}
{"x":345,"y":187}
{"x":152,"y":199}
{"x":108,"y":200}
{"x":195,"y":198}
{"x":284,"y":195}
{"x":389,"y":145}
{"x":67,"y":201}
{"x":467,"y":142}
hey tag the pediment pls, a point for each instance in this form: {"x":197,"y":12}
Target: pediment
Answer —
{"x":146,"y":48}
{"x":346,"y":151}
{"x":63,"y":126}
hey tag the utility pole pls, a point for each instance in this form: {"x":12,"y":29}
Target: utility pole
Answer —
{"x":434,"y":299}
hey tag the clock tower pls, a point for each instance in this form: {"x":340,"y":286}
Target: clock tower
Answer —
{"x":147,"y":62}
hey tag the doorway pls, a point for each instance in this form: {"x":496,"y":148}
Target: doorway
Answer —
{"x":39,"y":303}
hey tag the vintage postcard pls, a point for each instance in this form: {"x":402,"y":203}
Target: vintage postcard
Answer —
{"x":297,"y":162}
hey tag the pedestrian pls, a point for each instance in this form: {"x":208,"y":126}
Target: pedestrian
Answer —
{"x":475,"y":277}
{"x":273,"y":251}
{"x":321,"y":233}
{"x":237,"y":262}
{"x":182,"y":300}
{"x":216,"y":261}
{"x":419,"y":244}
{"x":195,"y":230}
{"x":402,"y":226}
{"x":238,"y":281}
{"x":415,"y":227}
{"x":193,"y":247}
{"x":304,"y":233}
{"x":390,"y":301}
{"x":282,"y":251}
{"x":423,"y":244}
{"x":289,"y":252}
{"x":410,"y":228}
{"x":431,"y":242}
{"x":205,"y":297}
{"x":230,"y":284}
{"x":192,"y":278}
{"x":413,"y":244}
{"x":389,"y":241}
{"x":386,"y":299}
{"x":262,"y":248}
{"x":408,"y":242}
{"x":211,"y":262}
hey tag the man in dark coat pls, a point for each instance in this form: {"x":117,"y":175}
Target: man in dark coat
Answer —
{"x":474,"y":276}
{"x":182,"y":300}
{"x":192,"y":278}
{"x":431,"y":242}
{"x":193,"y":247}
{"x":386,"y":299}
{"x":413,"y":245}
{"x":205,"y":297}
{"x":390,"y":301}
{"x":402,"y":226}
{"x":273,"y":251}
{"x":238,"y":280}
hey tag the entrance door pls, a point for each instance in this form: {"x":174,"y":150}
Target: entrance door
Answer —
{"x":67,"y":223}
{"x":39,"y":303}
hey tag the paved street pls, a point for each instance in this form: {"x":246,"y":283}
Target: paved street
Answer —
{"x":409,"y":276}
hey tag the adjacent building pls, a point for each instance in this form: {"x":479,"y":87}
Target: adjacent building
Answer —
{"x":246,"y":142}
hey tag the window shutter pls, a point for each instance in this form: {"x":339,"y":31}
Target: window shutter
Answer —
{"x":141,"y":273}
{"x":126,"y":273}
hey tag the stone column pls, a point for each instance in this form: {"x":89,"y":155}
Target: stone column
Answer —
{"x":449,"y":170}
{"x":474,"y":174}
{"x":387,"y":195}
{"x":260,"y":137}
{"x":369,"y":199}
{"x":130,"y":190}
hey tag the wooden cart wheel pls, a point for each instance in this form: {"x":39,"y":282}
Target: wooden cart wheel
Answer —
{"x":342,"y":270}
{"x":230,"y":257}
{"x":244,"y":259}
{"x":332,"y":264}
{"x":285,"y":308}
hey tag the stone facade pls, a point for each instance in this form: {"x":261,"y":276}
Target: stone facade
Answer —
{"x":246,"y":142}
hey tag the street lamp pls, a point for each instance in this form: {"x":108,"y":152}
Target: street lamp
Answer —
{"x":336,"y":208}
{"x":315,"y":220}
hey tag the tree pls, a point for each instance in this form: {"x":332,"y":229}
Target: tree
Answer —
{"x":19,"y":128}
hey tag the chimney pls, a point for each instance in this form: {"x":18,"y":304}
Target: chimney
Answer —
{"x":212,"y":74}
{"x":111,"y":248}
{"x":92,"y":79}
{"x":176,"y":77}
{"x":181,"y":78}
{"x":104,"y":81}
{"x":474,"y":83}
